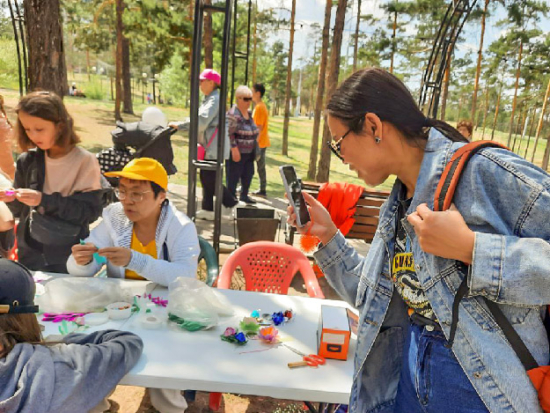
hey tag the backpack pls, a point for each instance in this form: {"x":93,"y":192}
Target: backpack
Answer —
{"x":539,"y":375}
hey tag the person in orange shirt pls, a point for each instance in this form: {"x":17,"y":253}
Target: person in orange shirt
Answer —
{"x":261,"y":119}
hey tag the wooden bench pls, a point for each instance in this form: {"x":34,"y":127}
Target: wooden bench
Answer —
{"x":366,"y":215}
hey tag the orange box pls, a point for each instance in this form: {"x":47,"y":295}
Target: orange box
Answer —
{"x":333,"y":333}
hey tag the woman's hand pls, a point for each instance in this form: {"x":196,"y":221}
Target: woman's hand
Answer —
{"x":8,"y":195}
{"x":235,"y":154}
{"x":117,"y":255}
{"x":173,"y":125}
{"x":444,"y":234}
{"x":83,"y":254}
{"x":321,"y":224}
{"x":29,"y":197}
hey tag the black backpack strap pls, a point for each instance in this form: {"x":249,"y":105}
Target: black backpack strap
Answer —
{"x":443,"y":200}
{"x":512,"y":336}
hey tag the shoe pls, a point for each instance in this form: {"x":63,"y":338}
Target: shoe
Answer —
{"x":227,"y":212}
{"x":248,"y":200}
{"x":204,"y":214}
{"x":261,"y":193}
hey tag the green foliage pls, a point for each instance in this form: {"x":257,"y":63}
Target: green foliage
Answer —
{"x":9,"y":77}
{"x":175,"y":81}
{"x":94,"y":89}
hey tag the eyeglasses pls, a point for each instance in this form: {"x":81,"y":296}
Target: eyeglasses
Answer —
{"x":247,"y":99}
{"x":133,"y":196}
{"x":336,"y":145}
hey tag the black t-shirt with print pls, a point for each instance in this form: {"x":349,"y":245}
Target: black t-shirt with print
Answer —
{"x":403,"y":272}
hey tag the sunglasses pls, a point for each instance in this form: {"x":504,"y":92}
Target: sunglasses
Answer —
{"x":335,"y":144}
{"x":247,"y":99}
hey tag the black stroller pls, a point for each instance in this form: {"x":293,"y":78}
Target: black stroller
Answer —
{"x":145,"y":139}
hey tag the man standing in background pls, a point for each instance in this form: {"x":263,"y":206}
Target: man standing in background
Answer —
{"x":261,"y":119}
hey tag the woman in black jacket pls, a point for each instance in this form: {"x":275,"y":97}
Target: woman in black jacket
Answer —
{"x":57,"y":184}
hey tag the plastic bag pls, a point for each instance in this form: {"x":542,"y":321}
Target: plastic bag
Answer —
{"x":195,"y":306}
{"x":76,"y":294}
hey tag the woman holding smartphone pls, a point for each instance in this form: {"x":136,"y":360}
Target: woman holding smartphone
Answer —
{"x":406,"y":359}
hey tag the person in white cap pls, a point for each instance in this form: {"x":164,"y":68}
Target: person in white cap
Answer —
{"x":208,"y":134}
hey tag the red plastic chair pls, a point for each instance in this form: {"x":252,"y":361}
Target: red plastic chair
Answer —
{"x":267,"y":267}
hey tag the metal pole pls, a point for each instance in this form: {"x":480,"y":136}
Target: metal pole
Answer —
{"x":194,"y":112}
{"x":221,"y":126}
{"x":17,"y":48}
{"x":234,"y":60}
{"x":23,"y":45}
{"x":248,"y":42}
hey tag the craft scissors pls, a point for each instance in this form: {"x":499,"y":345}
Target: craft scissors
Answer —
{"x":311,"y":360}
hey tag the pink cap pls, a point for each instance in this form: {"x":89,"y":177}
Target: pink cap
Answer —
{"x":211,"y":74}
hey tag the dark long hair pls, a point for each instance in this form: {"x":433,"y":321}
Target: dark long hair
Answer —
{"x":376,"y":91}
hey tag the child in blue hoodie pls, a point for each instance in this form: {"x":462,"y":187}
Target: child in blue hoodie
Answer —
{"x":73,"y":376}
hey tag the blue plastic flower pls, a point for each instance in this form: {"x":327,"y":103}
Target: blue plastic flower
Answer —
{"x":255,"y":314}
{"x":278,"y":318}
{"x":240,"y":337}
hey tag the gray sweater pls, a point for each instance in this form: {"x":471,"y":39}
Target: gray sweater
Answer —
{"x":71,"y":377}
{"x":208,"y":124}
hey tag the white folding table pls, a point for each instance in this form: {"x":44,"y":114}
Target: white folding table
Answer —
{"x":177,"y":359}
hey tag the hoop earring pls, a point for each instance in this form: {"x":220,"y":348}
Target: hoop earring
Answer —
{"x":377,"y":139}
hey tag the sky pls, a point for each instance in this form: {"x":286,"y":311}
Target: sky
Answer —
{"x":310,"y":11}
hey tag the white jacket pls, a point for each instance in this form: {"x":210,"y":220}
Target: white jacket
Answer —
{"x":174,"y":229}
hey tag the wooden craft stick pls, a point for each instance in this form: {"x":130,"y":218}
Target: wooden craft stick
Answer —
{"x":297,"y":364}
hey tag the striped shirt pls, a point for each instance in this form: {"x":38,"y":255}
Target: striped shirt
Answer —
{"x":243,"y":133}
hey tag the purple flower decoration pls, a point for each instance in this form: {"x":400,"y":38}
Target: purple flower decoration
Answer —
{"x":59,"y":317}
{"x":229,"y":331}
{"x":241,"y":338}
{"x":278,"y":318}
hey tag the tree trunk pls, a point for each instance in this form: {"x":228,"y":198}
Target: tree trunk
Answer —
{"x":47,"y":67}
{"x":529,"y":134}
{"x":118,"y":60}
{"x":127,"y":104}
{"x":460,"y":106}
{"x":255,"y":35}
{"x":393,"y":36}
{"x":541,"y":120}
{"x":289,"y":80}
{"x":208,"y":39}
{"x":519,"y":125}
{"x":479,"y":59}
{"x":320,"y":94}
{"x":496,"y":113}
{"x":518,"y":74}
{"x":486,"y":111}
{"x":445,"y":94}
{"x":324,"y":163}
{"x":546,"y":156}
{"x":356,"y":44}
{"x":87,"y":65}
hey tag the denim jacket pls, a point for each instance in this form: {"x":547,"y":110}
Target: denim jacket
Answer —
{"x":505,"y":200}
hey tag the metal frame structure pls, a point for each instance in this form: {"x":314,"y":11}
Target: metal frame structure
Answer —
{"x":236,"y":53}
{"x":194,"y":164}
{"x":442,"y":51}
{"x":18,"y":23}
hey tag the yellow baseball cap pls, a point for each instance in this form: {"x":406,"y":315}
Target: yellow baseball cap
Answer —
{"x":143,"y":169}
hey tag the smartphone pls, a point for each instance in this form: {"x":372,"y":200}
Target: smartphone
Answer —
{"x":293,"y":187}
